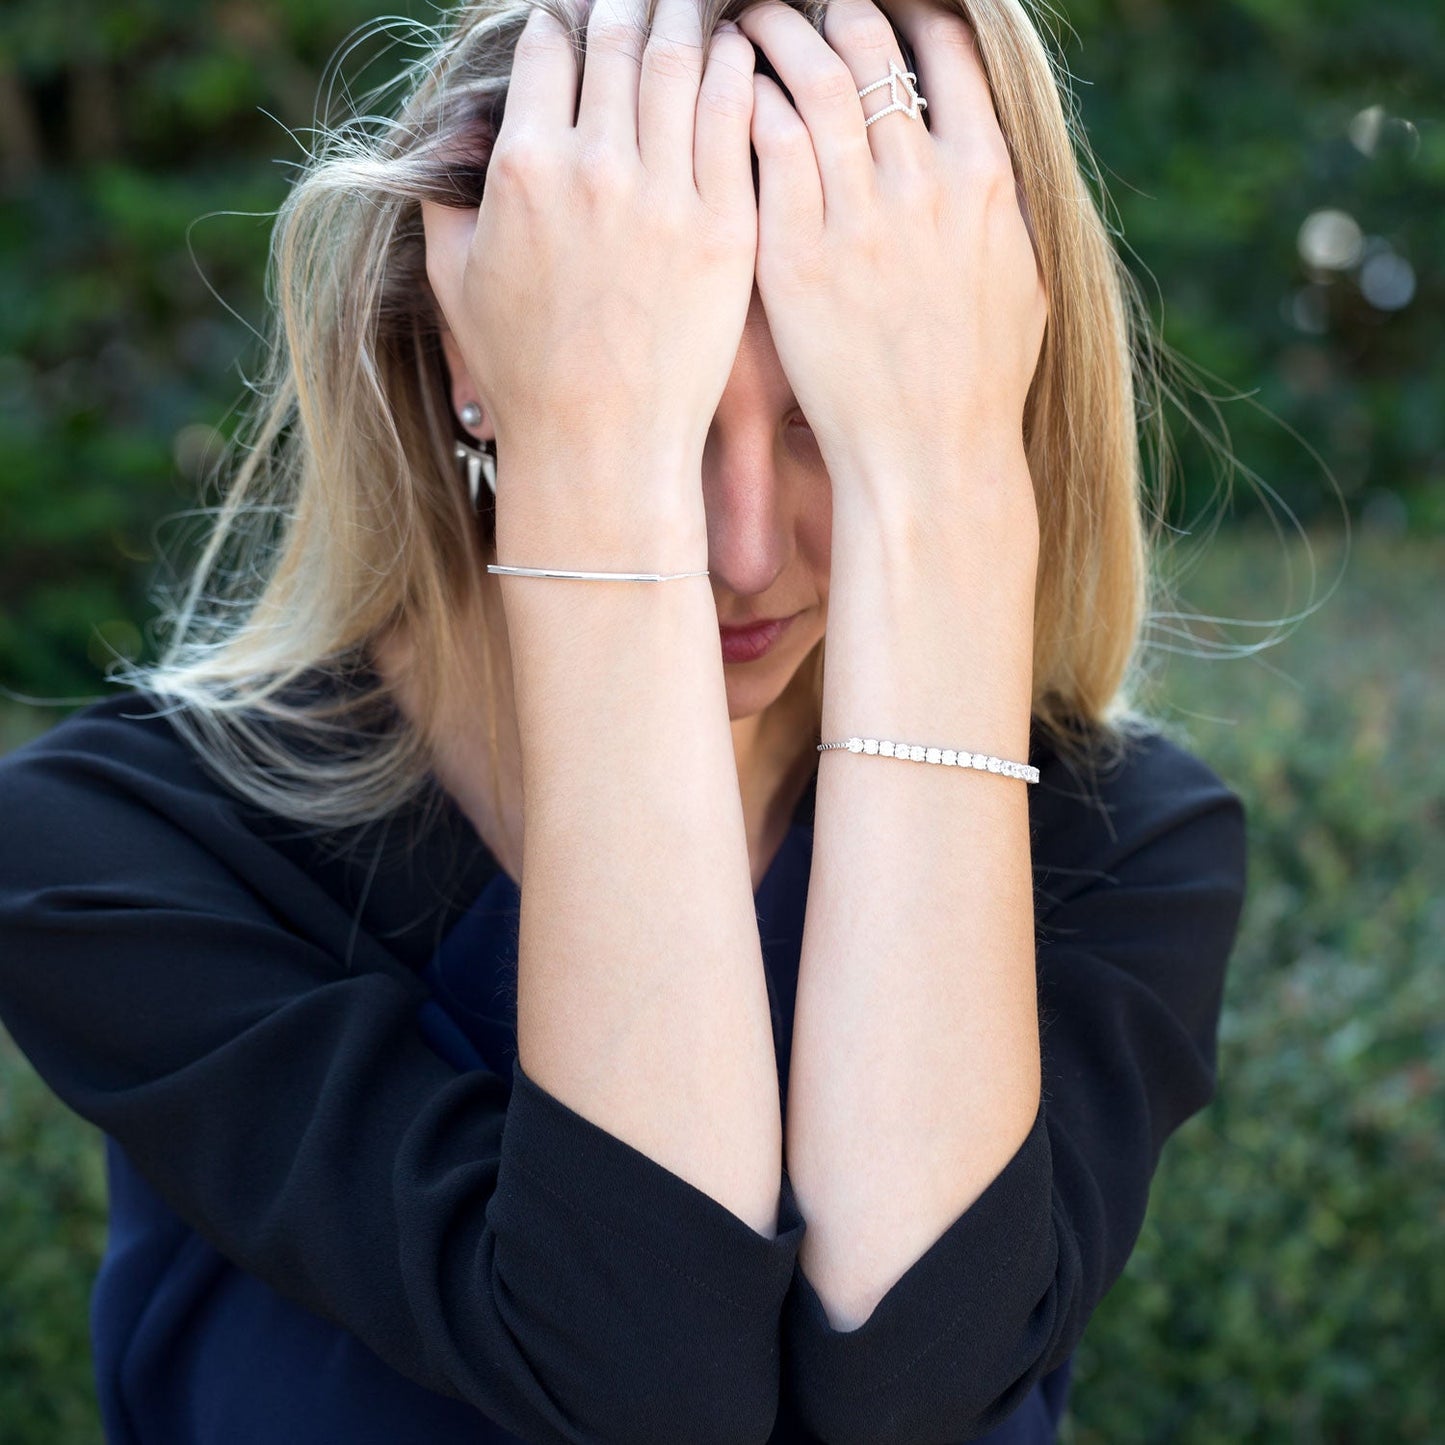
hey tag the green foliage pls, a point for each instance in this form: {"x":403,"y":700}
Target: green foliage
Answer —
{"x":1222,"y":128}
{"x":1288,"y":1284}
{"x":139,"y":154}
{"x":52,"y":1232}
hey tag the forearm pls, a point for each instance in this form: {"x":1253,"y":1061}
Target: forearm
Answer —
{"x":642,"y":1000}
{"x":915,"y":1069}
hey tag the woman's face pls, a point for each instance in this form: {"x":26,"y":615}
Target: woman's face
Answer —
{"x":769,"y":520}
{"x":769,"y":511}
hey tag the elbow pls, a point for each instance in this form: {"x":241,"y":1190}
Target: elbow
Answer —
{"x":954,"y":1349}
{"x":962,"y":1387}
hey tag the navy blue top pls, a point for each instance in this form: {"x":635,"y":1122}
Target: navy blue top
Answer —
{"x":317,"y":1235}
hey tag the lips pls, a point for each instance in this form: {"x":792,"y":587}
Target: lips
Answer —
{"x":744,"y":644}
{"x":726,"y":627}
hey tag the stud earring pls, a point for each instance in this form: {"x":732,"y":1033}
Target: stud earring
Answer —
{"x":479,"y":463}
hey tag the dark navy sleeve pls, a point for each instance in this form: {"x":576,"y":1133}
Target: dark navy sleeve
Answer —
{"x":1137,"y":906}
{"x":183,"y":988}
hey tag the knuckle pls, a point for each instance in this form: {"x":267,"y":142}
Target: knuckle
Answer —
{"x":602,"y":172}
{"x":1001,"y":160}
{"x":542,"y":40}
{"x":831,"y":83}
{"x":915,"y":184}
{"x":864,"y":29}
{"x":987,"y":165}
{"x":673,"y":59}
{"x":517,"y":163}
{"x":729,"y":96}
{"x":784,"y":138}
{"x":617,"y":37}
{"x":945,"y":28}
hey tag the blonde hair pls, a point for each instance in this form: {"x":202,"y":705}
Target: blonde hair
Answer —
{"x":344,"y":512}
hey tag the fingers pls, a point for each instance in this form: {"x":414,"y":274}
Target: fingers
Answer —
{"x":722,"y":161}
{"x":950,"y":73}
{"x":965,"y":122}
{"x":541,"y":97}
{"x":672,"y":70}
{"x":824,"y":95}
{"x":864,"y":37}
{"x":611,"y":75}
{"x":542,"y":92}
{"x":790,"y":203}
{"x":683,"y":104}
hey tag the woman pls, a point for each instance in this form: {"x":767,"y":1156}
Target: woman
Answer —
{"x":401,"y":1151}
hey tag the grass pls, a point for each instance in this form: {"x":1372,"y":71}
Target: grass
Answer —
{"x":1288,"y":1284}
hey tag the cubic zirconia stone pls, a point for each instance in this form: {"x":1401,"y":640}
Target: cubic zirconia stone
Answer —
{"x":993,"y":765}
{"x":933,"y":755}
{"x":870,"y":745}
{"x":916,"y":752}
{"x":949,"y":757}
{"x":885,"y":748}
{"x":855,"y":745}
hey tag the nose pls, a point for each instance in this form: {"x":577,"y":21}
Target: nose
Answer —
{"x":748,"y":527}
{"x":749,"y":472}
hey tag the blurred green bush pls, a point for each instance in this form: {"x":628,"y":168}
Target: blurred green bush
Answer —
{"x":1288,"y":1285}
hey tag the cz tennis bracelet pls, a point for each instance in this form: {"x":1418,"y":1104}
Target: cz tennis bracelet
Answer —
{"x":948,"y":757}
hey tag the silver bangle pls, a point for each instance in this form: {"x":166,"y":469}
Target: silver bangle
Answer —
{"x":948,"y":757}
{"x":592,"y":576}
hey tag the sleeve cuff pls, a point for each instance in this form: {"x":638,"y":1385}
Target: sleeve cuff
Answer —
{"x":941,"y":1343}
{"x":558,"y":1165}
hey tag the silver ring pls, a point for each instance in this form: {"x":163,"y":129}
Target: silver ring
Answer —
{"x":916,"y":102}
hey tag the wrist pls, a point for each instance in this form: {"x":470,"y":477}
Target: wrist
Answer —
{"x":932,"y":514}
{"x":602,"y":511}
{"x":981,"y":556}
{"x":931,"y":622}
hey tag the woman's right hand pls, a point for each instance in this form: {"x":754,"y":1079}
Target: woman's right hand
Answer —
{"x":600,"y":293}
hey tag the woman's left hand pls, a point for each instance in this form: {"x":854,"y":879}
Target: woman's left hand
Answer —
{"x":895,"y":264}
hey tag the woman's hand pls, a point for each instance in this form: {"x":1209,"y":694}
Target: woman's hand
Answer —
{"x":600,"y":293}
{"x":895,"y":262}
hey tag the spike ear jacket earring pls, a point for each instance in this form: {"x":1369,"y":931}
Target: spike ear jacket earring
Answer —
{"x":479,"y":463}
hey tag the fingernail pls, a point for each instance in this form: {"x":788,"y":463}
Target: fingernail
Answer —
{"x":730,"y":25}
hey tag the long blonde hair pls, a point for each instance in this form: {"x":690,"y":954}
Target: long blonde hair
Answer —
{"x":343,"y":511}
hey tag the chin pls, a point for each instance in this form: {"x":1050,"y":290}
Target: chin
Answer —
{"x":752,"y":687}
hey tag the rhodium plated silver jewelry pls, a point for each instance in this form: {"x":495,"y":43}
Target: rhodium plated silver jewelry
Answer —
{"x":947,"y":757}
{"x":592,"y":576}
{"x":916,"y":102}
{"x":479,"y":464}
